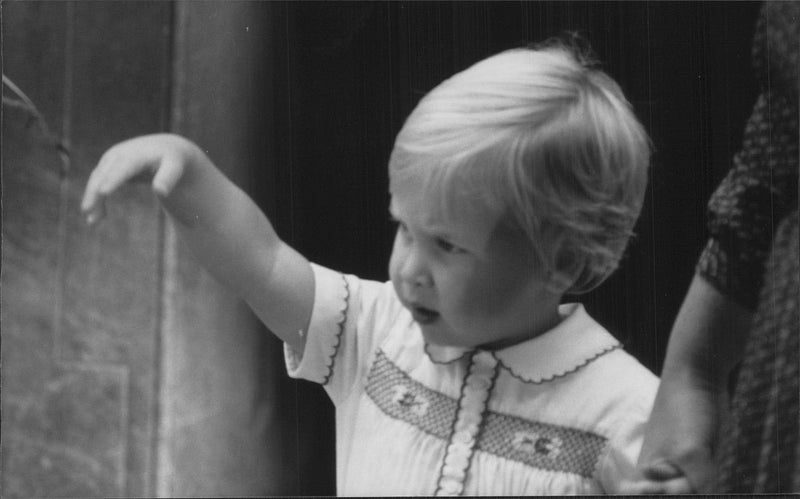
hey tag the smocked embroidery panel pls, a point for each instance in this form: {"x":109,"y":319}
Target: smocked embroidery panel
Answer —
{"x":538,"y":445}
{"x":400,"y":397}
{"x":542,"y":446}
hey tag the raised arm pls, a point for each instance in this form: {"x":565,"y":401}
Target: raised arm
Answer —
{"x":224,"y":228}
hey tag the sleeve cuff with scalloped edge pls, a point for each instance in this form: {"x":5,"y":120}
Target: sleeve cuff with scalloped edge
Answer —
{"x":316,"y":362}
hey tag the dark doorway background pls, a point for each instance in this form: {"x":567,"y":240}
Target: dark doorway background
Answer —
{"x":347,"y":74}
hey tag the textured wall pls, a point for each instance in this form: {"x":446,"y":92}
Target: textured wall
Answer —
{"x":126,"y":370}
{"x":79,"y":307}
{"x":227,"y":422}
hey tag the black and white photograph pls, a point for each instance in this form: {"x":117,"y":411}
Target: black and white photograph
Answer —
{"x":264,"y":248}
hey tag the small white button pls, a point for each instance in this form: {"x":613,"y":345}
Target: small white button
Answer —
{"x":481,"y":383}
{"x":468,"y":420}
{"x":464,"y":438}
{"x":472,"y":405}
{"x":455,"y":460}
{"x":466,"y":427}
{"x":452,"y":472}
{"x":451,"y":486}
{"x":484,"y":358}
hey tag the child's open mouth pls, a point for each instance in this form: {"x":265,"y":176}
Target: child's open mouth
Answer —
{"x":423,"y":315}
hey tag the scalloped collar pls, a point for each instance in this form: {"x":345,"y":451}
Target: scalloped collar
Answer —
{"x":574,"y":342}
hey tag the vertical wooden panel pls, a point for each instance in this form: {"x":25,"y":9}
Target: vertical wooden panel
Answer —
{"x":222,"y":425}
{"x":79,"y":408}
{"x":111,"y":286}
{"x":30,"y":189}
{"x":54,"y":442}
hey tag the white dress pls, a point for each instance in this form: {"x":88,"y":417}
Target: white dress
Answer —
{"x":562,"y":413}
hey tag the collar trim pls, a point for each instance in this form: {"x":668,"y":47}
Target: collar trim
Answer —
{"x":574,"y":343}
{"x":541,"y":380}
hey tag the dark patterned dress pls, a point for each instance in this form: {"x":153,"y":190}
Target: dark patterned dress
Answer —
{"x":753,"y":256}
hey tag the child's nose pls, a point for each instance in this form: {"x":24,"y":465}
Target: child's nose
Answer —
{"x":414,"y":270}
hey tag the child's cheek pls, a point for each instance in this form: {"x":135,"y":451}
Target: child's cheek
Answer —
{"x":502,"y":280}
{"x":492,"y":291}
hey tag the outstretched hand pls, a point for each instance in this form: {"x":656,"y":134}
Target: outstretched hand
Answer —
{"x":163,"y":156}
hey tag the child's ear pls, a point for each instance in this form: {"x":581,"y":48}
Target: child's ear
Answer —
{"x":561,"y":278}
{"x":558,"y":282}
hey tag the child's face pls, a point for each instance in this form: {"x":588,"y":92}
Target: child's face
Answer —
{"x":466,"y":280}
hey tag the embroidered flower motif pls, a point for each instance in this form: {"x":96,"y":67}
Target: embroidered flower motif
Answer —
{"x":410,"y":401}
{"x":534,"y":443}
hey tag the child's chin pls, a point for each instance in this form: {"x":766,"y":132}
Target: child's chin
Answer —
{"x":444,"y":353}
{"x":442,"y":337}
{"x":433,"y":336}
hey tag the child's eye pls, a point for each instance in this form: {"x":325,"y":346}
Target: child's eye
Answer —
{"x":401,"y":227}
{"x":448,"y":247}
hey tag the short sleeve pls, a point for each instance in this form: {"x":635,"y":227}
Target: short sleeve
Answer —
{"x":328,"y":317}
{"x":617,"y":468}
{"x":759,"y":190}
{"x":348,"y":320}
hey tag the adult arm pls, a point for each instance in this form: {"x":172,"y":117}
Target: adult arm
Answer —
{"x":705,"y":345}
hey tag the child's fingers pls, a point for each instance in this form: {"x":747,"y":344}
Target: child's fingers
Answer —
{"x":662,"y":470}
{"x":96,"y":212}
{"x":111,"y":172}
{"x":167,"y":176}
{"x":669,"y":487}
{"x":698,"y":472}
{"x":673,"y":486}
{"x":660,"y":477}
{"x":92,"y":201}
{"x":130,"y":159}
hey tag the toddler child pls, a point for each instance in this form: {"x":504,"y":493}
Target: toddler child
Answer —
{"x":512,"y":183}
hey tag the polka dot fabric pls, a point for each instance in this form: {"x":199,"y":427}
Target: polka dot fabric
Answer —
{"x":753,"y":256}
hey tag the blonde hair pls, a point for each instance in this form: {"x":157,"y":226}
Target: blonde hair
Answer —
{"x":545,"y":141}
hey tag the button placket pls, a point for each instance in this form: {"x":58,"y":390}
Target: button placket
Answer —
{"x":472,"y":405}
